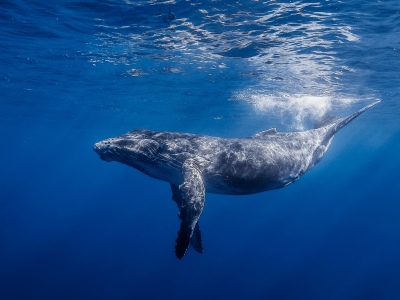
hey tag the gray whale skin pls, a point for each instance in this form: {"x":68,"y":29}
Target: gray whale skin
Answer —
{"x":195,"y":164}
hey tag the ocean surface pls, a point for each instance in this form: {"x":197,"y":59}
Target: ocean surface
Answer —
{"x":73,"y":73}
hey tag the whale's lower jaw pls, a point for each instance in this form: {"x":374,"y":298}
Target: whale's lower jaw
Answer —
{"x":105,"y":158}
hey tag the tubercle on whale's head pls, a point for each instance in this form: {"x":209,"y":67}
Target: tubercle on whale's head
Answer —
{"x":104,"y":149}
{"x":128,"y":149}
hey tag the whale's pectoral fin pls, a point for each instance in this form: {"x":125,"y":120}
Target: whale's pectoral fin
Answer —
{"x":176,"y":194}
{"x":193,"y":196}
{"x":195,"y":240}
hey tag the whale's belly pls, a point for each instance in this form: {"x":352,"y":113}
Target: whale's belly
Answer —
{"x":242,"y":184}
{"x":251,"y":175}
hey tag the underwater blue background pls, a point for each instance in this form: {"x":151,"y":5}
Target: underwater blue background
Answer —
{"x":73,"y":73}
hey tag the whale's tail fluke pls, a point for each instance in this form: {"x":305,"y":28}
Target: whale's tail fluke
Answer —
{"x":339,"y":123}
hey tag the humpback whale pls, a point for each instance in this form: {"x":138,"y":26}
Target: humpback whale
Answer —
{"x":195,"y":164}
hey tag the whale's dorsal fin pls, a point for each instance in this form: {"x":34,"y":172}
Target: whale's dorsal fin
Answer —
{"x":264,"y":133}
{"x":192,"y":203}
{"x":325,"y":120}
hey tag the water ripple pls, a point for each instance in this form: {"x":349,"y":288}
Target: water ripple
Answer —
{"x":291,"y":60}
{"x":289,"y":49}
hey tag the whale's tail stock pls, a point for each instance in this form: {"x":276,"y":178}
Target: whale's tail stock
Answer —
{"x":339,"y":123}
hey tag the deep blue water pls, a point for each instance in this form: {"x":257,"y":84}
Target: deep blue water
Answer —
{"x":75,"y":72}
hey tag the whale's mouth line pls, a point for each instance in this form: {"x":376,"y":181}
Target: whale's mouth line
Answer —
{"x":105,"y":158}
{"x":115,"y":154}
{"x":102,"y":153}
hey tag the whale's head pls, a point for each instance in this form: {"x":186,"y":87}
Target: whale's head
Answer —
{"x":133,"y":150}
{"x":145,"y":151}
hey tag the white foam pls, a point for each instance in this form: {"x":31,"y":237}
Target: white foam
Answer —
{"x":297,"y":107}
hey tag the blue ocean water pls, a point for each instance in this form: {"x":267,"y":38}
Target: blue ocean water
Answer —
{"x":73,"y":73}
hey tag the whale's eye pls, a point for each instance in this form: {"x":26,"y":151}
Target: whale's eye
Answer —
{"x":164,"y":146}
{"x":168,"y":146}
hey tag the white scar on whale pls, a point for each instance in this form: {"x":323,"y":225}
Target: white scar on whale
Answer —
{"x":197,"y":164}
